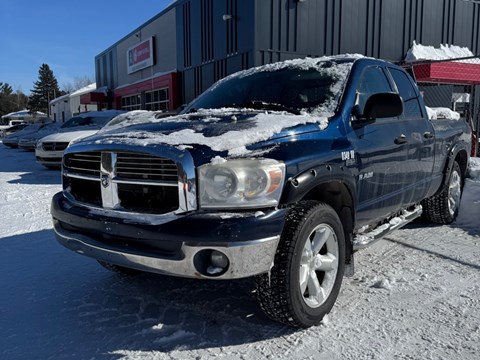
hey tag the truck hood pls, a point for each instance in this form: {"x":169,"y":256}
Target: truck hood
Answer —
{"x":227,"y":131}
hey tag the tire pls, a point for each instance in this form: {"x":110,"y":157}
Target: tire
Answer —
{"x":300,"y":272}
{"x":443,"y":207}
{"x":119,"y":269}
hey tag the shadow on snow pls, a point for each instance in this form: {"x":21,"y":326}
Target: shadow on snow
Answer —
{"x":60,"y":305}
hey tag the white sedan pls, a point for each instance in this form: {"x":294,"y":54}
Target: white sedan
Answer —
{"x":49,"y":150}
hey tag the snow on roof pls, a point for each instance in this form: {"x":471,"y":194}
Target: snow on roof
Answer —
{"x":84,"y":90}
{"x":58,"y":99}
{"x":444,"y":52}
{"x":24,"y":112}
{"x":435,"y":113}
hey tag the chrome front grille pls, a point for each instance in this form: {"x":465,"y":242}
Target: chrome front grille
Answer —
{"x":122,"y":181}
{"x":87,"y":164}
{"x":54,"y":146}
{"x":139,"y":166}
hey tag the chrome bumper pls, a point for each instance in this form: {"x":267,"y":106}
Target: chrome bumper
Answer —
{"x":246,"y":258}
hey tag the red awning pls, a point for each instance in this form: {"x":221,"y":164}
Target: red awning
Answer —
{"x":448,"y":73}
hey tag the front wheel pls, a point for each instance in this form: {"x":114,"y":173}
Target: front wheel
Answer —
{"x":305,"y":280}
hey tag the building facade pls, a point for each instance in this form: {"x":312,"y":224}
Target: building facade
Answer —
{"x":180,"y":52}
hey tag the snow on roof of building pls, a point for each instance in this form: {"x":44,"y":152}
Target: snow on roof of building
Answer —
{"x":84,"y":90}
{"x":444,"y":52}
{"x":58,"y":99}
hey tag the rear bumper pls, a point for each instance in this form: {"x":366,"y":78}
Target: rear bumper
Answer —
{"x":181,"y":246}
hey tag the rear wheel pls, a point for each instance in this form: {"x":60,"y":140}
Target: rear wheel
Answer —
{"x":309,"y":265}
{"x":443,"y":207}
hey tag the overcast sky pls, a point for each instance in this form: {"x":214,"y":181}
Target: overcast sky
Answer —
{"x":66,"y":35}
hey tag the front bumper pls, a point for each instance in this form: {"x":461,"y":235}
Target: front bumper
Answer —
{"x":178,"y":247}
{"x":49,"y":158}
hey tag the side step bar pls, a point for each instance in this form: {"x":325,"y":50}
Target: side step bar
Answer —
{"x":362,"y":240}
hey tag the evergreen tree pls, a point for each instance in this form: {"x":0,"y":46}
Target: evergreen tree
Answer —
{"x":11,"y":101}
{"x":44,"y":90}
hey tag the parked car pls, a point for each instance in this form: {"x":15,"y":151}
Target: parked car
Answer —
{"x":29,"y":141}
{"x":12,"y":129}
{"x":49,"y":150}
{"x":9,"y":125}
{"x":279,"y":172}
{"x":12,"y":140}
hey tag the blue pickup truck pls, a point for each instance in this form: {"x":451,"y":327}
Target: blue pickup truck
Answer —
{"x":280,"y":172}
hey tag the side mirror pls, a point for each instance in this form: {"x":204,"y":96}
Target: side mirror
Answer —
{"x":382,"y":105}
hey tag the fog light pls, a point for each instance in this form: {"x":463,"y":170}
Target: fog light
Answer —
{"x":211,"y":263}
{"x":218,"y":263}
{"x":218,"y":259}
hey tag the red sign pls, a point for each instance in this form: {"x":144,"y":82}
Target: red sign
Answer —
{"x":140,"y":56}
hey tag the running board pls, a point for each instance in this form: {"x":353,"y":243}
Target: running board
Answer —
{"x":362,"y":240}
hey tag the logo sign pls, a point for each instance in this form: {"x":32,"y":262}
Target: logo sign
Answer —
{"x":140,"y":56}
{"x":105,"y":181}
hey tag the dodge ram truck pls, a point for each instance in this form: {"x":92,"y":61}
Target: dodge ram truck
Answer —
{"x":280,"y":172}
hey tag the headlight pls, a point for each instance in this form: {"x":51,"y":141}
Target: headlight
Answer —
{"x":249,"y":183}
{"x":39,"y":145}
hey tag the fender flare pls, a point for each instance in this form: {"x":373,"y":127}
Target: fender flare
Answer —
{"x":300,"y":185}
{"x":452,"y":156}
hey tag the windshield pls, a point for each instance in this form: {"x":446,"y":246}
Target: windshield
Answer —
{"x":293,"y":89}
{"x":97,"y":121}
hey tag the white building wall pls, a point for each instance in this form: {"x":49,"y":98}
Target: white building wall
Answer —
{"x":66,"y":106}
{"x":60,"y":109}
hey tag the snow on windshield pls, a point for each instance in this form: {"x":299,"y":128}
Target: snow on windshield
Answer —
{"x":333,"y":68}
{"x":265,"y":124}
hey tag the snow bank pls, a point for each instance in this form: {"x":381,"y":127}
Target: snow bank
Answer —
{"x":474,"y":169}
{"x":442,"y":113}
{"x":444,"y":52}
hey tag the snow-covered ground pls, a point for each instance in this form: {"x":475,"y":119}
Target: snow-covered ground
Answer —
{"x":415,"y":295}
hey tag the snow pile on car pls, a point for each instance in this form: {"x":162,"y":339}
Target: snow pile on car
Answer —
{"x":234,"y":141}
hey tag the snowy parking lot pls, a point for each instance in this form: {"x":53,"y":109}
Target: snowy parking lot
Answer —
{"x":414,"y":295}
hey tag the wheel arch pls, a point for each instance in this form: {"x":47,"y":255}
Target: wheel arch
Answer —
{"x":462,"y":159}
{"x":458,"y":154}
{"x":333,"y":185}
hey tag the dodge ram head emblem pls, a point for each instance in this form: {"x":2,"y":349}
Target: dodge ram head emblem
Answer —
{"x":105,"y":181}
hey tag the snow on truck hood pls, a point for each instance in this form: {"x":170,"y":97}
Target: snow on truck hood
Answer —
{"x":230,"y":129}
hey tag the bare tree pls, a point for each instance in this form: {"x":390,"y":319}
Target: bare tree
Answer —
{"x":78,"y":83}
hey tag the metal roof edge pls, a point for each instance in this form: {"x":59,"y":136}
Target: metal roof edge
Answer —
{"x":160,"y":14}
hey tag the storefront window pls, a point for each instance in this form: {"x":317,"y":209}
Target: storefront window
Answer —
{"x":132,"y":102}
{"x":156,"y":100}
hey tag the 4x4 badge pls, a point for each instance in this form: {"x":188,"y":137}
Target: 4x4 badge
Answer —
{"x":105,"y":181}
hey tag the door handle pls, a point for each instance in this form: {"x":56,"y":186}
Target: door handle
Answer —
{"x":402,"y":139}
{"x":428,"y":135}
